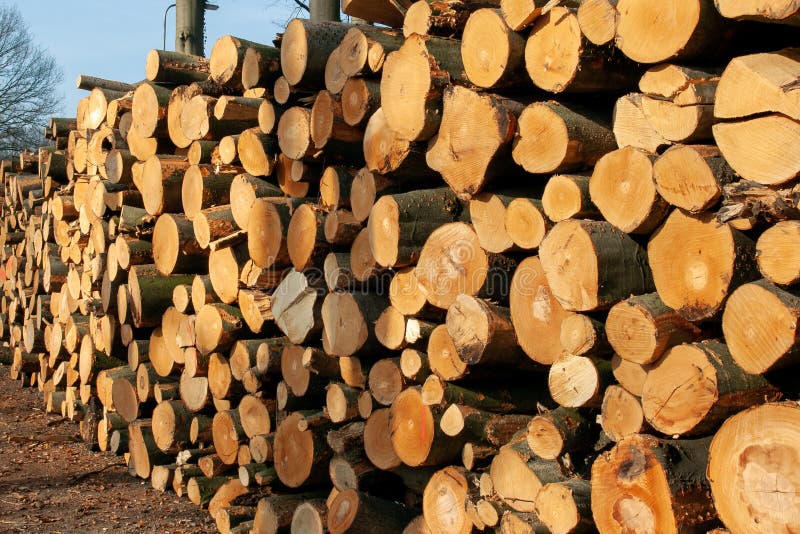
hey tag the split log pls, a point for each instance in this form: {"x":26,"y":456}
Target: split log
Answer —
{"x":297,"y":308}
{"x":631,"y":127}
{"x":613,"y":266}
{"x":695,"y":280}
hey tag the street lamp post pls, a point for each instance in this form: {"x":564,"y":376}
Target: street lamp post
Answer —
{"x":189,"y":25}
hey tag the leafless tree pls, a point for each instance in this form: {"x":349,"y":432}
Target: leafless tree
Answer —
{"x":29,"y":76}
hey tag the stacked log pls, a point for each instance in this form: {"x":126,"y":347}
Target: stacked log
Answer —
{"x":447,"y":277}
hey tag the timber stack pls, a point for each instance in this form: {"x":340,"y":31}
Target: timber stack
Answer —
{"x":509,"y":266}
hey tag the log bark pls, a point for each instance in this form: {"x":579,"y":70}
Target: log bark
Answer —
{"x":163,"y":66}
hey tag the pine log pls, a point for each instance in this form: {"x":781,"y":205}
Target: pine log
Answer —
{"x":218,"y":326}
{"x":493,"y":54}
{"x":348,"y":323}
{"x":161,"y":183}
{"x":361,"y":97}
{"x":300,"y":454}
{"x":301,"y":68}
{"x":644,"y":481}
{"x":170,"y":425}
{"x":150,"y":110}
{"x":712,"y":260}
{"x":243,"y":193}
{"x":257,"y":152}
{"x":389,"y":153}
{"x":260,"y":66}
{"x":175,"y":67}
{"x":204,"y":187}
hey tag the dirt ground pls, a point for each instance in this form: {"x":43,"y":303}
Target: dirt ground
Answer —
{"x":50,"y":482}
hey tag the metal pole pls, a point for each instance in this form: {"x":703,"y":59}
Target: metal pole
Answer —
{"x":164,"y":34}
{"x":189,"y":22}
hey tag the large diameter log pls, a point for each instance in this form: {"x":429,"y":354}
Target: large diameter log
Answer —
{"x":203,"y":187}
{"x":694,"y":387}
{"x":642,"y":328}
{"x":412,"y":83}
{"x":623,"y":189}
{"x":175,"y":67}
{"x":360,"y":513}
{"x":399,"y":224}
{"x":348,"y":322}
{"x":300,"y":453}
{"x":305,"y":49}
{"x":752,"y":468}
{"x":696,"y":263}
{"x":552,"y":137}
{"x":648,"y":483}
{"x":760,"y":149}
{"x":468,"y":163}
{"x":217,"y":327}
{"x":611,"y":266}
{"x":175,"y":248}
{"x":150,"y":109}
{"x":260,"y":67}
{"x":759,"y":323}
{"x":493,"y":54}
{"x":695,"y":29}
{"x":559,"y":58}
{"x":469,"y":271}
{"x":536,"y":313}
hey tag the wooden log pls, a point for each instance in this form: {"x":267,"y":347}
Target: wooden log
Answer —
{"x":493,"y":53}
{"x":695,"y":281}
{"x":387,"y":152}
{"x":310,"y":516}
{"x":621,"y":414}
{"x":559,"y":431}
{"x":690,"y":180}
{"x":642,"y":328}
{"x":579,"y":381}
{"x":625,"y":479}
{"x":274,"y":513}
{"x":553,"y":137}
{"x":203,"y":187}
{"x":300,"y":454}
{"x":758,"y":148}
{"x":566,"y":506}
{"x":585,"y":238}
{"x":485,"y":153}
{"x":217,"y":326}
{"x":384,"y":12}
{"x":631,"y":127}
{"x":574,"y":64}
{"x":399,"y":225}
{"x":227,"y":432}
{"x":360,"y":99}
{"x":305,"y":237}
{"x":329,"y":130}
{"x":212,"y":224}
{"x":395,"y":331}
{"x":348,"y":323}
{"x":299,"y":67}
{"x":481,"y":426}
{"x":674,"y":406}
{"x":582,"y":335}
{"x":143,"y":449}
{"x":170,"y":425}
{"x":260,"y":67}
{"x":297,"y":308}
{"x":359,"y":513}
{"x":175,"y":67}
{"x":363,"y":50}
{"x":776,"y":255}
{"x":243,"y":193}
{"x":257,"y":152}
{"x":175,"y":248}
{"x":198,"y":121}
{"x":412,"y":83}
{"x":201,"y":490}
{"x":150,"y":110}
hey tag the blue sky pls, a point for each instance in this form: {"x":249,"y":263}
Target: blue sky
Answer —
{"x":111,"y":38}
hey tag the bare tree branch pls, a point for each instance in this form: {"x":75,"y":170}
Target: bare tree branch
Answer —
{"x":28,"y":78}
{"x":301,"y":4}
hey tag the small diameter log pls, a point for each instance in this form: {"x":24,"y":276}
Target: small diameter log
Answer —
{"x":759,"y":323}
{"x":300,"y":454}
{"x":582,"y":335}
{"x":621,"y":414}
{"x":217,"y":326}
{"x":483,"y":334}
{"x":361,"y":97}
{"x":696,"y":279}
{"x":149,"y":110}
{"x":637,"y":485}
{"x":447,"y":500}
{"x":559,"y":431}
{"x":776,"y":255}
{"x":257,"y":151}
{"x":487,"y":212}
{"x":400,"y":224}
{"x":553,"y":137}
{"x":164,"y":66}
{"x":470,"y":163}
{"x":559,"y":58}
{"x":364,"y":49}
{"x":201,"y":490}
{"x":161,"y":183}
{"x":536,"y":313}
{"x":481,"y":426}
{"x":334,"y":187}
{"x":623,"y":189}
{"x":348,"y":322}
{"x":297,"y":308}
{"x":631,"y":127}
{"x":294,"y":133}
{"x":244,"y":191}
{"x":386,"y":380}
{"x":412,"y":83}
{"x":517,"y":474}
{"x":266,"y":232}
{"x":396,"y":331}
{"x":493,"y":53}
{"x":301,"y":68}
{"x":341,"y":402}
{"x":642,"y":328}
{"x":331,"y":132}
{"x":612,"y":265}
{"x":171,"y":423}
{"x":579,"y":381}
{"x":674,"y":402}
{"x":359,"y":513}
{"x":688,"y":179}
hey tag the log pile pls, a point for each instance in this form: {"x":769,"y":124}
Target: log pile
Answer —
{"x":512,"y":266}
